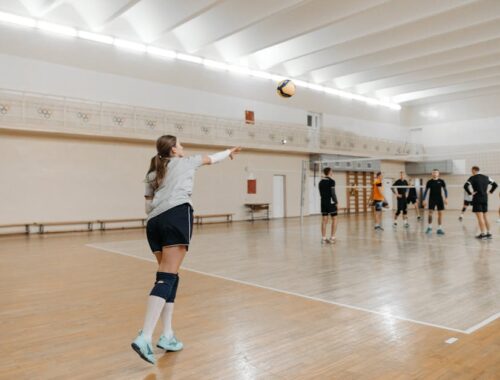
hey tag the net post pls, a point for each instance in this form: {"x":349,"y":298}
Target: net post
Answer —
{"x":302,"y":189}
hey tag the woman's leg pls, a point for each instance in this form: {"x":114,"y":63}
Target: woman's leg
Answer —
{"x":171,"y":260}
{"x":177,"y":255}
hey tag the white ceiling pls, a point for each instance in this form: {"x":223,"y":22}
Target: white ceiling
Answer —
{"x":410,"y":51}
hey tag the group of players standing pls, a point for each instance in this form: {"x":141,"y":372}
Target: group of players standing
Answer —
{"x":475,"y":193}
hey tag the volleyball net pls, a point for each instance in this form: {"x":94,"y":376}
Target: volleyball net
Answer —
{"x":354,"y":179}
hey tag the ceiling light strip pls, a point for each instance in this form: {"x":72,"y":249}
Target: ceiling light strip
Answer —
{"x":164,"y":53}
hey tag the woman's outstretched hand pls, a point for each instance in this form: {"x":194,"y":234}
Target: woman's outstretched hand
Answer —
{"x":234,"y":151}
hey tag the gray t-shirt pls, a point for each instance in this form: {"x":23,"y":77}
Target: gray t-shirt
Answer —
{"x":177,"y":186}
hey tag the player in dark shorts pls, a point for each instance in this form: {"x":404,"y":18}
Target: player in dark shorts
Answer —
{"x":412,"y":198}
{"x":435,"y":187}
{"x":377,"y":200}
{"x":328,"y":204}
{"x":400,"y":189}
{"x":479,"y":184}
{"x":168,"y":188}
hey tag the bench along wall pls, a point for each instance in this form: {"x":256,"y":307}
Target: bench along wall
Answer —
{"x":55,"y":178}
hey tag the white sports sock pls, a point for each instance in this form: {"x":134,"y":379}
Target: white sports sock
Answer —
{"x":440,"y":227}
{"x":429,"y":226}
{"x":153,"y":312}
{"x":166,"y":316}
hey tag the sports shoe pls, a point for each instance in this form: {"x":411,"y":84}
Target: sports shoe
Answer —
{"x":460,"y":218}
{"x":419,"y":217}
{"x":440,"y":231}
{"x":143,"y":348}
{"x":428,"y":230}
{"x":395,"y":225}
{"x":332,"y":239}
{"x":488,"y":236}
{"x":407,"y":225}
{"x":324,"y":240}
{"x":481,"y":236}
{"x":169,"y":345}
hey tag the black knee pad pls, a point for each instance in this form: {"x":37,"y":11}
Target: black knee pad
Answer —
{"x":405,"y":212}
{"x":173,"y":292}
{"x":398,"y":212}
{"x":164,"y":285}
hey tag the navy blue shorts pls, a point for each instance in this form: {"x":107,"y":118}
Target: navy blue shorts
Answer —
{"x":171,"y":228}
{"x":480,"y":206}
{"x":328,"y":208}
{"x":436,"y":203}
{"x":379,"y":205}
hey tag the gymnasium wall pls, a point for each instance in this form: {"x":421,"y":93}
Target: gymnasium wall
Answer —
{"x":49,"y":178}
{"x":462,"y":129}
{"x":473,"y":121}
{"x":177,"y":87}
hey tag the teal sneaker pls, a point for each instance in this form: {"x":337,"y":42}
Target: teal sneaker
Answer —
{"x":143,"y":348}
{"x":169,"y":345}
{"x":440,"y":232}
{"x":428,"y":230}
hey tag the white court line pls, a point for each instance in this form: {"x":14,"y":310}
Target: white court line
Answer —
{"x":487,"y":321}
{"x":387,"y":315}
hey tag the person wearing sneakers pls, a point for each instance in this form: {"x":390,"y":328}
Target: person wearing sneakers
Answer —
{"x":328,"y":204}
{"x":400,"y":189}
{"x":378,"y":200}
{"x":435,"y":187}
{"x":413,"y":198}
{"x":169,"y":184}
{"x":467,"y":203}
{"x":477,"y":186}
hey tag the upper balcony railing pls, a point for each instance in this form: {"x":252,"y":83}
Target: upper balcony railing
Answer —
{"x":29,"y":111}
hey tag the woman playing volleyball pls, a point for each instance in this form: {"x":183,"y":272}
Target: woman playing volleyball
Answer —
{"x":169,"y":184}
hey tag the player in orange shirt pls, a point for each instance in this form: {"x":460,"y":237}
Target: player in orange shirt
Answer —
{"x":378,"y":200}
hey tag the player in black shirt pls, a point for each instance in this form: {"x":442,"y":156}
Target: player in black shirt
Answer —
{"x":400,"y":189}
{"x":435,"y":187}
{"x":413,"y":198}
{"x":328,"y":204}
{"x":479,"y":184}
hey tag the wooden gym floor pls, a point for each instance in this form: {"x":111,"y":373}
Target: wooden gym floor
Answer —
{"x":260,"y":300}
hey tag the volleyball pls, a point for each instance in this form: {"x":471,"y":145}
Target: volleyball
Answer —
{"x":286,"y":88}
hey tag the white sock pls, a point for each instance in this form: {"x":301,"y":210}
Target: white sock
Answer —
{"x":166,"y":316}
{"x":429,"y":226}
{"x":153,"y":312}
{"x":440,"y":227}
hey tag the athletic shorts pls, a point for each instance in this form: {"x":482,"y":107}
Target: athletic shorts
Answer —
{"x":402,"y":206}
{"x":479,"y":206}
{"x":379,"y":205}
{"x":328,"y":208}
{"x":411,"y":200}
{"x":436,"y":203}
{"x":171,"y":228}
{"x":467,"y":203}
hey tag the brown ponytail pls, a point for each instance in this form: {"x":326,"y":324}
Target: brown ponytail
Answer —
{"x":164,"y":146}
